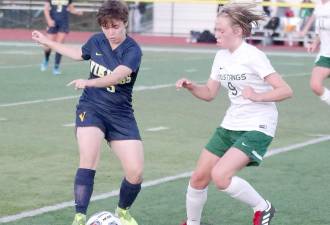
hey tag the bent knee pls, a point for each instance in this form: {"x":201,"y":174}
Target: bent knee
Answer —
{"x":316,"y":87}
{"x":200,"y":180}
{"x":221,"y":180}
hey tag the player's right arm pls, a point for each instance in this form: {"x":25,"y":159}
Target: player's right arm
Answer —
{"x":308,"y":25}
{"x":206,"y":92}
{"x":71,"y":52}
{"x":49,"y":20}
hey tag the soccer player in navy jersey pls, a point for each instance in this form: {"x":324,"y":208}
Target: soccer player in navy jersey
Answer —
{"x":57,"y":18}
{"x":105,"y":107}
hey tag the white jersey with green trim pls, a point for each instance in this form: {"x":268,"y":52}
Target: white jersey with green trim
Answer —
{"x":246,"y":66}
{"x":322,"y":14}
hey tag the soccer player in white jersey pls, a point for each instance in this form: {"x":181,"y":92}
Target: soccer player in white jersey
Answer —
{"x":250,"y":122}
{"x":321,"y":70}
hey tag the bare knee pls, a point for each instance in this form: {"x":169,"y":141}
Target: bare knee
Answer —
{"x":316,"y":86}
{"x":134,"y":176}
{"x":220,"y":179}
{"x":199,"y":180}
{"x":88,"y":162}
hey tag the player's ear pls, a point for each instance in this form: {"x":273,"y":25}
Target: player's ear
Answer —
{"x":237,"y":30}
{"x":126,"y":24}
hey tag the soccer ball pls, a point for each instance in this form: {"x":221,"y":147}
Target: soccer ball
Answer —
{"x":103,"y":218}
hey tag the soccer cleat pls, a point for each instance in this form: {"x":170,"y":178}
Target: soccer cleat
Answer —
{"x":79,"y":219}
{"x":44,"y":66}
{"x":264,"y":217}
{"x":184,"y":223}
{"x":56,"y":71}
{"x":125,"y":217}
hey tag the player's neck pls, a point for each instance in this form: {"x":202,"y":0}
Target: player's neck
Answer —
{"x":115,"y":45}
{"x":236,"y":44}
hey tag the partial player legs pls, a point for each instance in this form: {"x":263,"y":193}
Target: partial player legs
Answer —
{"x":47,"y":52}
{"x":319,"y":74}
{"x":223,"y":176}
{"x":197,"y":189}
{"x":60,"y":38}
{"x":130,"y":154}
{"x":89,"y":141}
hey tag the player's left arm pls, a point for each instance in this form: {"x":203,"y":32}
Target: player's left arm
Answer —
{"x":73,"y":10}
{"x":118,"y":74}
{"x":281,"y":90}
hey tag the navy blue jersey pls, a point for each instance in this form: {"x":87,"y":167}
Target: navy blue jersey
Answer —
{"x":103,"y":60}
{"x":59,"y":10}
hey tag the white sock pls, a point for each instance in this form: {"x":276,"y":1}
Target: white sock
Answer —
{"x":195,"y":200}
{"x":241,"y":190}
{"x":326,"y":96}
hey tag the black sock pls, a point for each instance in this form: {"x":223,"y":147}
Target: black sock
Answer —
{"x":83,"y":189}
{"x":128,"y":193}
{"x":47,"y":54}
{"x":58,"y":58}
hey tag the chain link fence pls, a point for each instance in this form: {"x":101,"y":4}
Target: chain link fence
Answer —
{"x":28,"y":14}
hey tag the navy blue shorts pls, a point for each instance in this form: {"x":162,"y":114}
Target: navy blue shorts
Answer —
{"x":114,"y":126}
{"x":60,"y":27}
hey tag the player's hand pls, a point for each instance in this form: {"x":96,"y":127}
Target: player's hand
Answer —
{"x":79,"y":13}
{"x":39,"y":37}
{"x":311,"y":47}
{"x":78,"y":84}
{"x":184,"y":83}
{"x":51,"y":23}
{"x":249,"y":93}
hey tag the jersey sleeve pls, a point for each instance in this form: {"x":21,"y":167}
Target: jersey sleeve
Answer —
{"x":215,"y":68}
{"x":261,"y":65}
{"x":132,"y":58}
{"x":86,"y":49}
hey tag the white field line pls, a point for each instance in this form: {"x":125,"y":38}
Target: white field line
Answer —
{"x":67,"y":204}
{"x":172,"y":49}
{"x":192,"y":70}
{"x":20,"y":52}
{"x":31,"y":65}
{"x":146,"y":49}
{"x":297,"y":74}
{"x":145,"y":68}
{"x":137,"y":88}
{"x":155,"y":129}
{"x":297,"y":146}
{"x":151,"y":183}
{"x":69,"y":125}
{"x":38,"y":101}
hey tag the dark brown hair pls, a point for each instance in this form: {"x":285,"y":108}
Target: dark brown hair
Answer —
{"x":243,"y":15}
{"x":112,"y":10}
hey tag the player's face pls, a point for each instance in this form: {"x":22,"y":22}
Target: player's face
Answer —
{"x":115,"y":31}
{"x":225,"y":33}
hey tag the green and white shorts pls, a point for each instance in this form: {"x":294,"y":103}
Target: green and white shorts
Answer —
{"x":253,"y":143}
{"x":323,"y":62}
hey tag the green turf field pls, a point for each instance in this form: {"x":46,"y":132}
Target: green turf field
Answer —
{"x":38,"y":153}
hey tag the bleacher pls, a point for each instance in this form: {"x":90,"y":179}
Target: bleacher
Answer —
{"x":28,"y":13}
{"x":265,"y":37}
